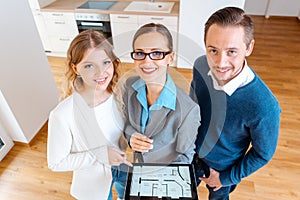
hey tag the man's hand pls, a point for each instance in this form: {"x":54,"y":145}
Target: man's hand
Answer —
{"x":141,"y":143}
{"x":117,"y":157}
{"x":213,"y":180}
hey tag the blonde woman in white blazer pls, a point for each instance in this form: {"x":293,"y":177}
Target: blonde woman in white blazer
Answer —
{"x":85,"y":129}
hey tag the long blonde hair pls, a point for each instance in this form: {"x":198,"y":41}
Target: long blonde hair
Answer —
{"x":79,"y":46}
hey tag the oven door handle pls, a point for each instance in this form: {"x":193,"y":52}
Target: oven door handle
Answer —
{"x":91,"y":24}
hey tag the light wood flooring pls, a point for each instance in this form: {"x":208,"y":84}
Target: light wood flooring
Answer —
{"x":276,"y":58}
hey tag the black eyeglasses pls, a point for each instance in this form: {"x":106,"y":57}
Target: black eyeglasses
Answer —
{"x":155,"y":55}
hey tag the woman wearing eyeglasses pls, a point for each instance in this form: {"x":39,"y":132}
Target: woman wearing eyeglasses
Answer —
{"x":161,"y":119}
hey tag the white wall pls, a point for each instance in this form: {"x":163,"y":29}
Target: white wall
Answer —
{"x":269,"y":8}
{"x":283,"y":8}
{"x":26,"y":82}
{"x":256,"y":7}
{"x":192,"y":17}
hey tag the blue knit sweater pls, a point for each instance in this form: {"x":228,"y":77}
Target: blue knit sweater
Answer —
{"x":230,"y":124}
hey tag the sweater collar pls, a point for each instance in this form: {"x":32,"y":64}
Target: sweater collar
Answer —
{"x":242,"y":79}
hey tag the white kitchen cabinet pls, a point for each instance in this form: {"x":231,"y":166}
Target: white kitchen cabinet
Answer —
{"x":41,"y":27}
{"x":125,"y":26}
{"x":61,"y":29}
{"x":35,"y":6}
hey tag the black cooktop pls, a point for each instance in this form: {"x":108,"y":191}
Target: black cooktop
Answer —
{"x":97,"y":5}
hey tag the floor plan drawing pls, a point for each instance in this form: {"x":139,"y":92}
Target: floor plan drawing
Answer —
{"x":161,"y":181}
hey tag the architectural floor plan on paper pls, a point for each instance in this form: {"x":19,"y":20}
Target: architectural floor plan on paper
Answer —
{"x":161,"y":181}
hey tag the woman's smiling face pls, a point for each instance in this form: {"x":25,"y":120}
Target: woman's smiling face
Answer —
{"x":148,"y":69}
{"x":96,"y":69}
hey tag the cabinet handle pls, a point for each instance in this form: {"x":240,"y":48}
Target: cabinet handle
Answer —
{"x":157,"y":18}
{"x":59,"y":23}
{"x":64,"y":39}
{"x":57,"y":14}
{"x":123,"y":17}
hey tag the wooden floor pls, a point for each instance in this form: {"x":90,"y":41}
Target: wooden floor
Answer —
{"x":276,"y":58}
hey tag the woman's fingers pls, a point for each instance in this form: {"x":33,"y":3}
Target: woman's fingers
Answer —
{"x":126,"y":162}
{"x":141,"y":137}
{"x":140,"y":142}
{"x":117,"y":157}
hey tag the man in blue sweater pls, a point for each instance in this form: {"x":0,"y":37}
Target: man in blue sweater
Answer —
{"x":240,"y":115}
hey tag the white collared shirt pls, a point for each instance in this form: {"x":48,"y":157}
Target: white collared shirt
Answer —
{"x":243,"y":78}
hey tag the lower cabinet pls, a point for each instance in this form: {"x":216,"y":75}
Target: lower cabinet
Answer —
{"x":61,"y":29}
{"x":40,"y":24}
{"x":123,"y":28}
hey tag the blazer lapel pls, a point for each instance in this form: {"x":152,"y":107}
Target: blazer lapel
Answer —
{"x":156,"y":122}
{"x":135,"y":116}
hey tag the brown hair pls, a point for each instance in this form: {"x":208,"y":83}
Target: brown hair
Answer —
{"x":231,"y":16}
{"x":152,"y":27}
{"x":79,"y":46}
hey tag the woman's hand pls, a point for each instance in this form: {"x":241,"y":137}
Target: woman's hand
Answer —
{"x":117,"y":157}
{"x":141,"y":143}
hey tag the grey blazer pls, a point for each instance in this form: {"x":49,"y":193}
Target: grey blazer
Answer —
{"x":173,"y":132}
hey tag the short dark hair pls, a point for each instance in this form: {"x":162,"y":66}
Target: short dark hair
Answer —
{"x":231,"y":16}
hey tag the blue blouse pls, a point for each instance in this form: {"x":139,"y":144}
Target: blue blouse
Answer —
{"x":167,"y":98}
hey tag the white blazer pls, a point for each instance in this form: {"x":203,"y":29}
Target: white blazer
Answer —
{"x":75,"y":144}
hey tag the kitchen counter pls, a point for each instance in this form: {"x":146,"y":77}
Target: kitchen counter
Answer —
{"x":118,"y":8}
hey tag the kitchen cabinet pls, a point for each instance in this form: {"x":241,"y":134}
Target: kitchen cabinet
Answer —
{"x":61,"y":29}
{"x":125,"y":26}
{"x":41,"y":27}
{"x":35,"y":6}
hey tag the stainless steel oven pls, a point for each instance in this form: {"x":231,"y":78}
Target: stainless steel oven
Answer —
{"x":95,"y":21}
{"x":92,"y":20}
